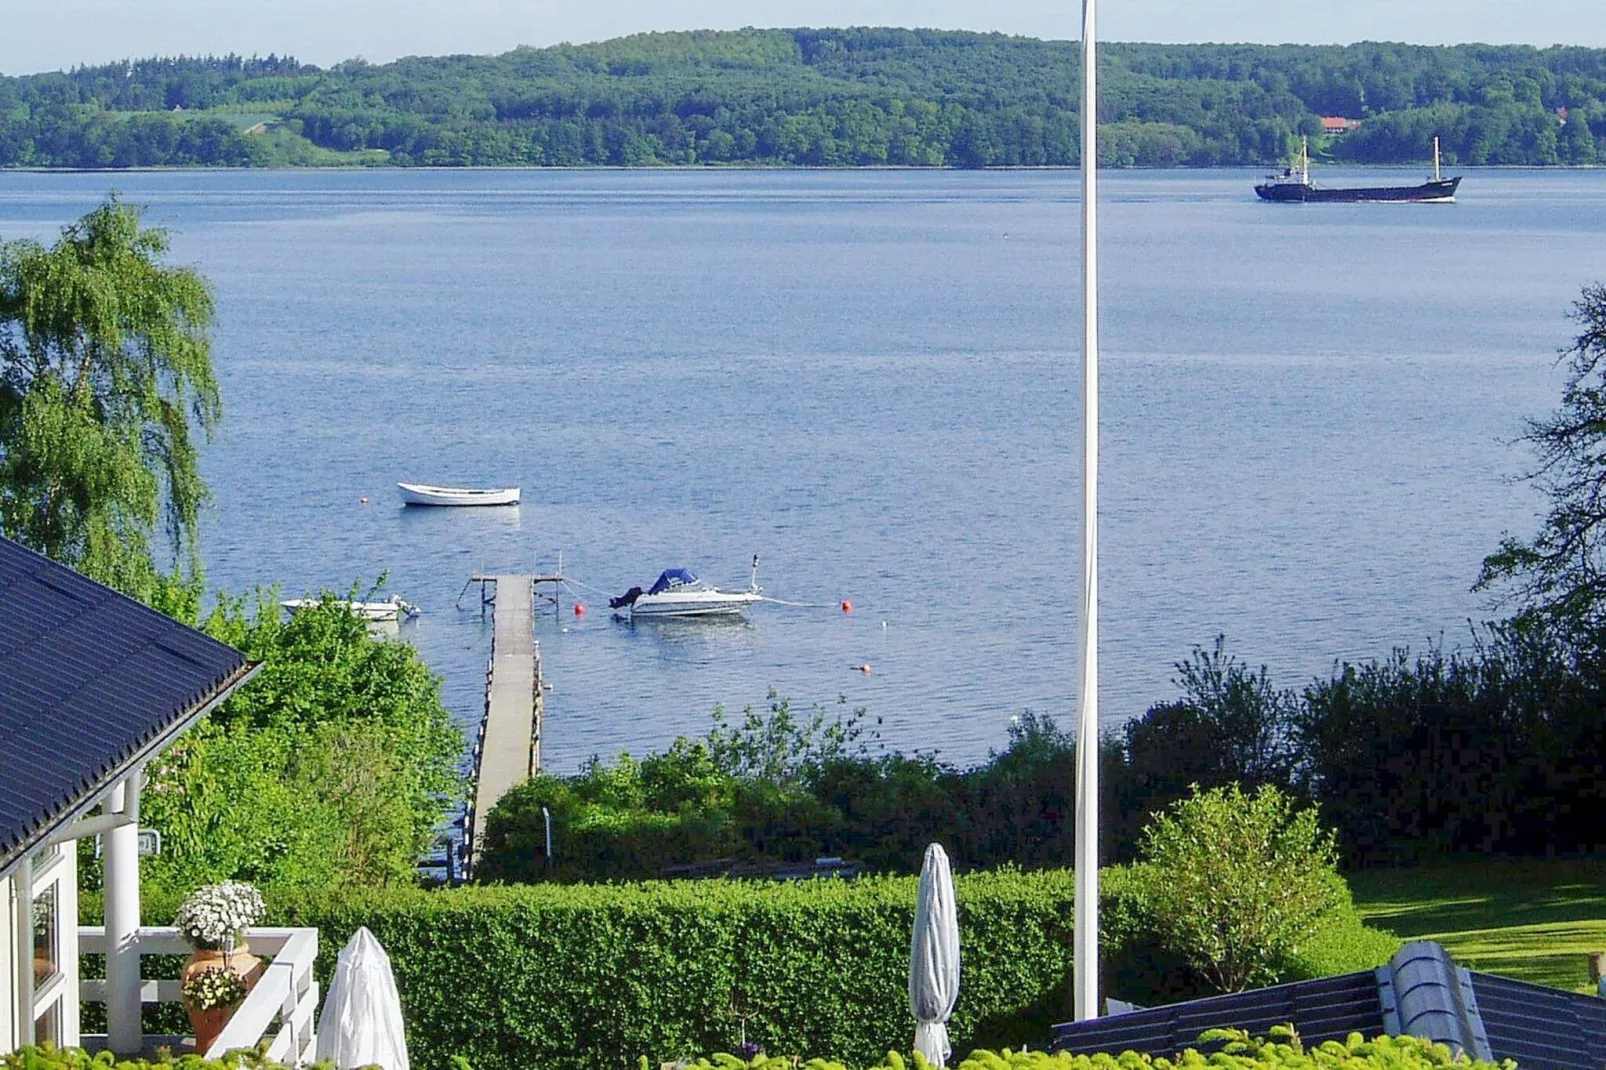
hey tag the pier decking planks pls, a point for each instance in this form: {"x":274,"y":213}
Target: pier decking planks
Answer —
{"x":509,"y":750}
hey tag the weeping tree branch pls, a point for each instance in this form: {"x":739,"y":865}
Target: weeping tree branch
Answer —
{"x":105,"y":381}
{"x":1558,"y":577}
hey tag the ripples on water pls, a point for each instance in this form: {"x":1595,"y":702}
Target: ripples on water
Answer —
{"x":871,"y":379}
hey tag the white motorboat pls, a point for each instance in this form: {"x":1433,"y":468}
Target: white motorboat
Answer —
{"x":391,"y":610}
{"x":680,"y":594}
{"x":422,"y":494}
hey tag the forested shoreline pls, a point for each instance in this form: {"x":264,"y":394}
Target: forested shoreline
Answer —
{"x":828,"y":98}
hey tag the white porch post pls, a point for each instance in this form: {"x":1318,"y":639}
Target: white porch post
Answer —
{"x":22,"y":988}
{"x":120,"y":854}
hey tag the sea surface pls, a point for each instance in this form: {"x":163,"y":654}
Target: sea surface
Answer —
{"x":871,"y":380}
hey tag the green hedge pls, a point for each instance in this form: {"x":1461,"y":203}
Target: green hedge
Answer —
{"x":595,"y":976}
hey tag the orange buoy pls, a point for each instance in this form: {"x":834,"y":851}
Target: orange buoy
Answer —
{"x":847,"y":607}
{"x":579,"y":610}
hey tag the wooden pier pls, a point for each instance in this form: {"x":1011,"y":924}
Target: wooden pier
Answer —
{"x":509,"y":747}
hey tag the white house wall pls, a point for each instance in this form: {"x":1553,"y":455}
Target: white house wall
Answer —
{"x":58,"y":871}
{"x":8,"y":954}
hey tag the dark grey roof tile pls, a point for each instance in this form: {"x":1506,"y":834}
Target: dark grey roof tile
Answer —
{"x":1541,"y":1028}
{"x":89,"y":679}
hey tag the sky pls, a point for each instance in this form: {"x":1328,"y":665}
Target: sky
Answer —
{"x":39,"y":35}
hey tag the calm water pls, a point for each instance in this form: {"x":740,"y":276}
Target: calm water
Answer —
{"x":871,"y":380}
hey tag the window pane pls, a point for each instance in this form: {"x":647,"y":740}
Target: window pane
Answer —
{"x":48,"y":1025}
{"x":45,"y":945}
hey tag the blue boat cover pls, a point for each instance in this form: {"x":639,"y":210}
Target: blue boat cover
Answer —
{"x":671,"y":577}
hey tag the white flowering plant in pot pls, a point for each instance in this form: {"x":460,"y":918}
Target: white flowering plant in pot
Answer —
{"x":218,"y":915}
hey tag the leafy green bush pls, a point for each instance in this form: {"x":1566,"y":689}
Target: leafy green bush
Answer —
{"x":782,"y":787}
{"x":1282,"y":1049}
{"x":741,"y":792}
{"x":334,"y":766}
{"x":50,"y":1057}
{"x":1237,"y":885}
{"x":596,"y":975}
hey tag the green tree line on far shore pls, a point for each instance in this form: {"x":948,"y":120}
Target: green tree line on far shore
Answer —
{"x":829,"y":98}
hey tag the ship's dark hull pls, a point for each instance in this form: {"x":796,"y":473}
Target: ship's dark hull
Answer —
{"x":1301,"y":192}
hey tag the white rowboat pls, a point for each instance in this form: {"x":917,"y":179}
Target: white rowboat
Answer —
{"x":390,"y":610}
{"x":420,"y":494}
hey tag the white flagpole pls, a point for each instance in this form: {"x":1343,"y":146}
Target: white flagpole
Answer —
{"x":1085,"y":941}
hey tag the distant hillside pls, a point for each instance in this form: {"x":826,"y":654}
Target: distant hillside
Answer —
{"x":817,"y":97}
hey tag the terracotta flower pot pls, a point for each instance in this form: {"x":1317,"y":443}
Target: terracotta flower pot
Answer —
{"x":208,"y":1024}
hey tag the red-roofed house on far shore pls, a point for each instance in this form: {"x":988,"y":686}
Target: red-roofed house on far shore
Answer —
{"x":1337,"y":124}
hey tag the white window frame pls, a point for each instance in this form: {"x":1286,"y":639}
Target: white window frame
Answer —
{"x":54,"y":867}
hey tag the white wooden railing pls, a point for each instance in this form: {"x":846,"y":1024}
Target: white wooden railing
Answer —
{"x":282,"y":1009}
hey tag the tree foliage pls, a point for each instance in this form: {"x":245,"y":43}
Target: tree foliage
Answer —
{"x":105,"y":379}
{"x":816,"y":97}
{"x":1239,"y":884}
{"x":1557,"y":579}
{"x":1229,"y":725}
{"x":334,"y":766}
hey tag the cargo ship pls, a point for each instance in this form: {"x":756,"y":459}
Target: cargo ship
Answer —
{"x":1294,"y":185}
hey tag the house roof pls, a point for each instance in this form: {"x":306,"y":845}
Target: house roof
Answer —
{"x":92,"y":684}
{"x":1329,"y":1009}
{"x":1541,"y":1027}
{"x":1421,"y":992}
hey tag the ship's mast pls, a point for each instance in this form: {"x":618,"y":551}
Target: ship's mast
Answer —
{"x":1436,"y":158}
{"x":1304,"y":160}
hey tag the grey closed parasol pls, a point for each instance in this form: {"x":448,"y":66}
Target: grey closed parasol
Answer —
{"x":361,"y":1023}
{"x":934,"y":957}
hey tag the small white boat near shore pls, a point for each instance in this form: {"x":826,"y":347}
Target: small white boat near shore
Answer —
{"x":423,"y":494}
{"x":390,"y":611}
{"x":680,"y":594}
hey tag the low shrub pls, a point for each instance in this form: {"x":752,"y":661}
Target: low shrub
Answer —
{"x":1144,"y":964}
{"x":719,"y":798}
{"x":50,"y":1057}
{"x":1238,"y":884}
{"x":1282,"y":1049}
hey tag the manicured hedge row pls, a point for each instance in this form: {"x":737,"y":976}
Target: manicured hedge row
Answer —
{"x":588,"y":976}
{"x":596,"y":976}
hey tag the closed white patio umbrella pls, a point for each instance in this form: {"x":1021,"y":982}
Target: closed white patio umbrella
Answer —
{"x":361,"y":1023}
{"x":934,"y":957}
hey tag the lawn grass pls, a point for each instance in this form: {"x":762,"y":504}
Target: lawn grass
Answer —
{"x":1529,"y":920}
